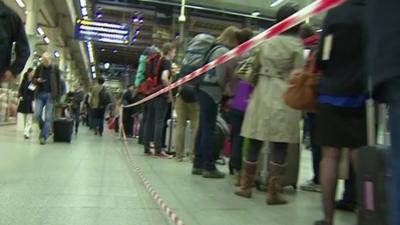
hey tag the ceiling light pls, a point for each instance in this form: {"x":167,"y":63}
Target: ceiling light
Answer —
{"x":56,"y":54}
{"x":93,"y":69}
{"x":276,"y":3}
{"x":46,"y":39}
{"x":83,"y":3}
{"x":102,"y":49}
{"x":84,"y":12}
{"x":20,"y":3}
{"x":115,"y":51}
{"x":40,"y":31}
{"x":256,"y":13}
{"x":106,"y":65}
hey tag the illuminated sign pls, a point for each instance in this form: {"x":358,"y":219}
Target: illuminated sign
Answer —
{"x":92,"y":30}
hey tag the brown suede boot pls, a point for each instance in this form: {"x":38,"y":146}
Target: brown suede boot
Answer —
{"x":238,"y":178}
{"x":274,"y":184}
{"x":248,"y":172}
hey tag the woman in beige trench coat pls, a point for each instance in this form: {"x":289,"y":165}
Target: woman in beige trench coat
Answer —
{"x":268,"y":118}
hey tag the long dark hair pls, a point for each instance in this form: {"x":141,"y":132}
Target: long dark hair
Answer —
{"x":26,"y":74}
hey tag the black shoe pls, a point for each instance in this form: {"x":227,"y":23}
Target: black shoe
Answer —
{"x":216,"y":174}
{"x":197,"y":171}
{"x":345,"y":206}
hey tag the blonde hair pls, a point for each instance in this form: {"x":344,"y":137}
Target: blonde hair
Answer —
{"x":229,"y":37}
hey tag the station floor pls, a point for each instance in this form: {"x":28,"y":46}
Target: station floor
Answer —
{"x":90,"y":182}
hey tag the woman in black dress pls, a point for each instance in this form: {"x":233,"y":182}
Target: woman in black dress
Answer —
{"x":26,"y":95}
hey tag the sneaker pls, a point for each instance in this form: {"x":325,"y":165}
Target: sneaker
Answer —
{"x":311,"y":186}
{"x":42,"y":141}
{"x":345,"y":206}
{"x":162,"y":154}
{"x":215,"y":174}
{"x":197,"y":171}
{"x":26,"y":136}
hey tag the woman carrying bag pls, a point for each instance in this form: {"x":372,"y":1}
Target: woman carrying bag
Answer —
{"x":26,"y":95}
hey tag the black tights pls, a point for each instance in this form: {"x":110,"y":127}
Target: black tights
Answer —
{"x":277,"y":151}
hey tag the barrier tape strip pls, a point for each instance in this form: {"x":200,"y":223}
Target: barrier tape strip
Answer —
{"x":313,"y":9}
{"x":156,"y":197}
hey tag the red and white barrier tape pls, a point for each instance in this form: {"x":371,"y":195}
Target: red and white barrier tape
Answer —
{"x":313,"y":9}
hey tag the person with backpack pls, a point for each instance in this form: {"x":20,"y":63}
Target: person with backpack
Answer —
{"x":267,"y":118}
{"x":98,"y":104}
{"x":78,"y":97}
{"x":212,"y":87}
{"x":157,"y":76}
{"x":139,"y":79}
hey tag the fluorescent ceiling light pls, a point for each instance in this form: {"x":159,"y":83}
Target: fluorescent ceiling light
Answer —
{"x":84,"y":12}
{"x":20,"y":3}
{"x":93,"y":69}
{"x":276,"y":3}
{"x":46,"y":40}
{"x":40,"y":31}
{"x":256,"y":13}
{"x":83,"y":3}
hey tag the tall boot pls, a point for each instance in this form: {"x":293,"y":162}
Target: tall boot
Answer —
{"x":238,"y":177}
{"x":247,"y":179}
{"x":275,"y":184}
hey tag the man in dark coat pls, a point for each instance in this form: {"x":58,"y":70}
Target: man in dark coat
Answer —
{"x":384,"y":67}
{"x":11,"y":30}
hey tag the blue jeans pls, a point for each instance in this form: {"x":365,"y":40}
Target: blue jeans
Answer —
{"x":77,"y":120}
{"x":205,"y":140}
{"x":394,"y":196}
{"x":98,"y":119}
{"x":43,"y":101}
{"x":236,"y":118}
{"x":155,"y":123}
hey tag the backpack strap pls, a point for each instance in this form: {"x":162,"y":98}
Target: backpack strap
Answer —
{"x":211,"y":52}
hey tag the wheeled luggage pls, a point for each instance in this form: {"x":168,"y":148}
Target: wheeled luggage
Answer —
{"x":373,"y":173}
{"x":62,"y":129}
{"x":171,"y":136}
{"x":292,"y":170}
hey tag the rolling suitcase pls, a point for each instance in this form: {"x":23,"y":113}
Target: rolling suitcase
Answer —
{"x":62,"y":129}
{"x":171,"y":137}
{"x":292,"y":171}
{"x":373,"y":172}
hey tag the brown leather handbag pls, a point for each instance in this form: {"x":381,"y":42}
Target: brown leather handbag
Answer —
{"x":302,"y":92}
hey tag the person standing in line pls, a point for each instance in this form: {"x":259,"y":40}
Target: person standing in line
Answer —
{"x":268,"y":119}
{"x":11,"y":31}
{"x":384,"y":67}
{"x":127,"y":99}
{"x":48,"y":81}
{"x":341,"y":116}
{"x":97,"y":110}
{"x":237,"y":109}
{"x":26,"y":94}
{"x":215,"y":85}
{"x":157,"y":107}
{"x":78,"y":97}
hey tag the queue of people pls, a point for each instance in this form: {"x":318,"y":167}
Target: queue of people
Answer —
{"x":258,"y":110}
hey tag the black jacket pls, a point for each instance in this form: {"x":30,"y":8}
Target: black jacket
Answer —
{"x":383,"y":23}
{"x":12,"y":30}
{"x":56,"y":82}
{"x":345,"y":71}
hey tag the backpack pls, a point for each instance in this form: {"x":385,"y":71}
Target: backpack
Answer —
{"x":197,"y":54}
{"x":151,"y":82}
{"x":104,"y":98}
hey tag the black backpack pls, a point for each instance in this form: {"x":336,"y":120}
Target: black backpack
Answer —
{"x":104,"y":98}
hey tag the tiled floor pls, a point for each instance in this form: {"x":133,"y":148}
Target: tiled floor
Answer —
{"x":89,"y":182}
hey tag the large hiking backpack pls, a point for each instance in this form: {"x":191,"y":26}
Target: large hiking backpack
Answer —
{"x":151,"y":82}
{"x":197,"y":54}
